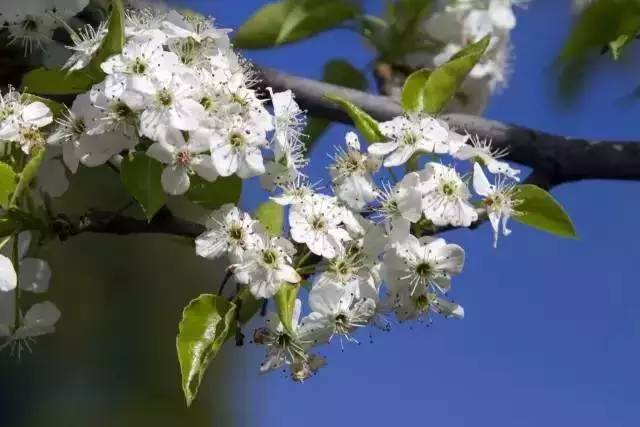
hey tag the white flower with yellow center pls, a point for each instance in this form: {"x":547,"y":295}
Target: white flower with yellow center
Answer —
{"x":317,"y":223}
{"x":229,"y":231}
{"x":445,"y":199}
{"x":267,"y":266}
{"x":499,"y":201}
{"x":183,"y":158}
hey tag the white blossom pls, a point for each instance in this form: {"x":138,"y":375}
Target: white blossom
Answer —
{"x":445,"y":199}
{"x":267,"y":266}
{"x":416,"y":133}
{"x":183,"y":158}
{"x":316,"y":222}
{"x":499,"y":201}
{"x":229,"y":231}
{"x":481,"y":149}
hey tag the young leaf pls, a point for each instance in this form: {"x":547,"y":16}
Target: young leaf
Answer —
{"x":204,"y":327}
{"x":140,"y":175}
{"x":285,"y":302}
{"x":288,"y":21}
{"x":28,"y":174}
{"x":271,"y":216}
{"x":56,"y":82}
{"x":429,"y":90}
{"x":338,"y":72}
{"x":540,"y":210}
{"x":212,"y":195}
{"x":112,"y":43}
{"x":248,"y":305}
{"x":366,"y":124}
{"x":7,"y":184}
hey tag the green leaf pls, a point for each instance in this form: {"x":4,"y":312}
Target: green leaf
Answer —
{"x":248,"y":305}
{"x":8,"y":184}
{"x":288,"y":21}
{"x":285,"y":302}
{"x":112,"y":43}
{"x":8,"y":226}
{"x":619,"y":44}
{"x":212,"y":195}
{"x":56,"y":82}
{"x":601,"y":23}
{"x":338,"y":72}
{"x":366,"y":124}
{"x":540,"y":210}
{"x":141,"y":176}
{"x":271,"y":216}
{"x":429,"y":90}
{"x":204,"y":327}
{"x":28,"y":174}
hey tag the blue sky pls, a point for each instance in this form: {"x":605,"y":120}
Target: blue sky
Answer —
{"x":551,"y":336}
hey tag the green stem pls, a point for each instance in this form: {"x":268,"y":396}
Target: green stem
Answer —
{"x":16,"y":266}
{"x":303,"y":259}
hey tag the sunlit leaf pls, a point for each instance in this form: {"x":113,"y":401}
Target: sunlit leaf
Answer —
{"x":205,"y":324}
{"x":540,"y":210}
{"x":212,"y":195}
{"x":285,"y":302}
{"x":366,"y":124}
{"x":271,"y":216}
{"x":429,"y":90}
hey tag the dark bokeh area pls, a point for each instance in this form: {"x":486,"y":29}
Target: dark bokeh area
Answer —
{"x":112,"y":360}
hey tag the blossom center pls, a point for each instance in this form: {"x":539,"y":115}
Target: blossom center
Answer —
{"x":236,"y":140}
{"x":409,"y":138}
{"x":183,"y":158}
{"x":236,"y":232}
{"x":449,"y":188}
{"x":424,"y":270}
{"x":139,"y":66}
{"x":164,"y":98}
{"x":30,"y":25}
{"x":318,"y":223}
{"x":270,"y":258}
{"x":122,"y":111}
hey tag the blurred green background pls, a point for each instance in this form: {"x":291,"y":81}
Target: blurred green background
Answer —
{"x":112,"y":360}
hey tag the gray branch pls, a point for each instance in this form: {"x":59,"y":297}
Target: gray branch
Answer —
{"x":561,"y":158}
{"x":554,"y":159}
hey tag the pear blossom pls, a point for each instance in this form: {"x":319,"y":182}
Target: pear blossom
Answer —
{"x":288,"y":347}
{"x":267,"y":266}
{"x":295,"y":192}
{"x":418,"y":264}
{"x":24,"y":124}
{"x":86,"y":43}
{"x":229,"y":231}
{"x":400,"y":205}
{"x":183,"y":158}
{"x":351,"y":174}
{"x":8,"y":276}
{"x":237,"y":150}
{"x":446,"y":197}
{"x":316,"y":222}
{"x":499,"y":201}
{"x":481,"y":149}
{"x":39,"y":320}
{"x":336,"y":311}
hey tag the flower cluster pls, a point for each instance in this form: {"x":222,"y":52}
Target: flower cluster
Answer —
{"x":367,"y":250}
{"x":459,"y":22}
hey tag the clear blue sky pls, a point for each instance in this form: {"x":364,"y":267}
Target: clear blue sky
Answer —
{"x":552,"y":335}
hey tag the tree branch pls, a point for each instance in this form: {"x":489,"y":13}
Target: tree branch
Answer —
{"x":554,"y":159}
{"x":563,"y":159}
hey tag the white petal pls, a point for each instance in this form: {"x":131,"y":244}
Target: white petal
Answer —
{"x":161,"y":152}
{"x":204,"y":167}
{"x":37,"y":114}
{"x":35,"y":275}
{"x":8,"y":278}
{"x":382,"y":148}
{"x":175,"y":180}
{"x":481,"y":184}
